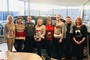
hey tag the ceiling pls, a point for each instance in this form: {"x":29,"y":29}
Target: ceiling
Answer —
{"x":60,"y":2}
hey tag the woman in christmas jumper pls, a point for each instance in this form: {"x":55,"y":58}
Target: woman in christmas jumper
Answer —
{"x":9,"y":32}
{"x":39,"y":34}
{"x":59,"y":30}
{"x":79,"y":37}
{"x":19,"y":35}
{"x":49,"y":36}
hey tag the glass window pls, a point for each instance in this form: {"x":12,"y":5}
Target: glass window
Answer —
{"x":34,"y":9}
{"x":40,"y":9}
{"x":73,"y":12}
{"x":3,"y":10}
{"x":16,"y":8}
{"x":87,"y":16}
{"x":45,"y":10}
{"x":62,"y":10}
{"x":3,"y":14}
{"x":26,"y":8}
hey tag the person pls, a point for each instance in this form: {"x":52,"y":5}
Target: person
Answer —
{"x":19,"y":34}
{"x":29,"y":31}
{"x":69,"y":39}
{"x":49,"y":36}
{"x":9,"y":32}
{"x":59,"y":30}
{"x":39,"y":35}
{"x":79,"y":37}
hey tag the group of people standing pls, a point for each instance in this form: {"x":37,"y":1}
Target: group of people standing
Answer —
{"x":29,"y":33}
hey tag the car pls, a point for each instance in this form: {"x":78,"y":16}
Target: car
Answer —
{"x":35,"y":18}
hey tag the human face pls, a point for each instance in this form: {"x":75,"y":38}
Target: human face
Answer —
{"x":40,"y":22}
{"x":68,"y":20}
{"x":78,"y":22}
{"x":58,"y":18}
{"x":29,"y":19}
{"x":49,"y":22}
{"x":19,"y":21}
{"x":10,"y":19}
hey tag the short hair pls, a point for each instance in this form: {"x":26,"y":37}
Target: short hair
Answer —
{"x":29,"y":16}
{"x":68,"y":17}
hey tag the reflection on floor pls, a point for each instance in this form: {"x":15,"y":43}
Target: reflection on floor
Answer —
{"x":23,"y":56}
{"x":3,"y":47}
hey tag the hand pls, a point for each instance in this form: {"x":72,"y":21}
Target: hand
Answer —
{"x":60,"y":41}
{"x":5,"y":41}
{"x":78,"y":42}
{"x":42,"y":37}
{"x":35,"y":39}
{"x":39,"y":39}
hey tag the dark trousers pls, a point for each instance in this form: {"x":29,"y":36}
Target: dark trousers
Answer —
{"x":29,"y":44}
{"x":68,"y":48}
{"x":39,"y":47}
{"x":49,"y":47}
{"x":19,"y":45}
{"x":79,"y":51}
{"x":59,"y":48}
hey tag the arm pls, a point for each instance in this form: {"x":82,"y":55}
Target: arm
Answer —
{"x":74,"y":39}
{"x":63,"y":31}
{"x":83,"y":40}
{"x":74,"y":34}
{"x":54,"y":29}
{"x":84,"y":33}
{"x":24,"y":32}
{"x":44,"y":31}
{"x":14,"y":30}
{"x":34,"y":32}
{"x":5,"y":32}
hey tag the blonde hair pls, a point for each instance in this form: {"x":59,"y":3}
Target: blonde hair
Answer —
{"x":81,"y":22}
{"x":39,"y":20}
{"x":58,"y":15}
{"x":9,"y":16}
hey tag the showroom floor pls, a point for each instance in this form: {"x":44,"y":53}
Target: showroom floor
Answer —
{"x":3,"y":47}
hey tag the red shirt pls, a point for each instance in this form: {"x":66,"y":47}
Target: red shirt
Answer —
{"x":49,"y":32}
{"x":20,"y":34}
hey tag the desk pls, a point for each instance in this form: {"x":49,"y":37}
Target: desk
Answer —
{"x":23,"y":56}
